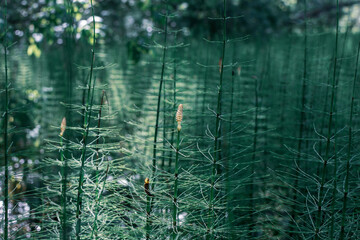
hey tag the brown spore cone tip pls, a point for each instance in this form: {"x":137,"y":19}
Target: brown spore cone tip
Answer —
{"x":179,"y":116}
{"x":62,"y":127}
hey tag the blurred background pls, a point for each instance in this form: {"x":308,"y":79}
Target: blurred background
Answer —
{"x":44,"y":22}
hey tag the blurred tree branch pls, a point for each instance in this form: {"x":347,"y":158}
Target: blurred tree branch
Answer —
{"x":324,"y":9}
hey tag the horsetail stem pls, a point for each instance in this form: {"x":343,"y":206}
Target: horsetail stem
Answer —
{"x":174,"y":104}
{"x":149,"y":201}
{"x":164,"y":126}
{"x":335,"y":176}
{"x":348,"y":157}
{"x":179,"y":117}
{"x":217,"y":147}
{"x":253,"y":158}
{"x":98,"y":192}
{"x":160,"y":89}
{"x":64,"y":180}
{"x":148,"y":207}
{"x":328,"y":140}
{"x":302,"y":124}
{"x":86,"y":127}
{"x":227,"y":163}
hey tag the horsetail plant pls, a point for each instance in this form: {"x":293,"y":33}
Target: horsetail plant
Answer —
{"x":348,"y":157}
{"x":86,"y":126}
{"x":335,"y":170}
{"x":64,"y":180}
{"x":179,"y":117}
{"x":217,"y":136}
{"x":164,"y":126}
{"x":227,"y":163}
{"x":252,"y":168}
{"x":328,"y":139}
{"x":148,"y":207}
{"x":100,"y":191}
{"x":160,"y":87}
{"x":5,"y":124}
{"x":302,"y":123}
{"x":174,"y":100}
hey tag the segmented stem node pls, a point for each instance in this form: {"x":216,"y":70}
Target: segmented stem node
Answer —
{"x":147,"y":187}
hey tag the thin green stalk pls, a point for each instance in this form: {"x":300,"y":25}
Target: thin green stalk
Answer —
{"x":252,"y":184}
{"x":301,"y":128}
{"x":6,"y":120}
{"x":98,"y":192}
{"x":86,"y":127}
{"x":323,"y":120}
{"x":205,"y":87}
{"x":68,"y":114}
{"x":176,"y":172}
{"x":64,"y":181}
{"x":164,"y":127}
{"x":97,"y":206}
{"x":148,"y":221}
{"x":333,"y":200}
{"x":174,"y":104}
{"x":217,"y":147}
{"x":148,"y":199}
{"x":284,"y":89}
{"x":227,"y":163}
{"x":176,"y":185}
{"x":160,"y":89}
{"x":334,"y":191}
{"x":346,"y":185}
{"x":69,"y":42}
{"x":328,"y":142}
